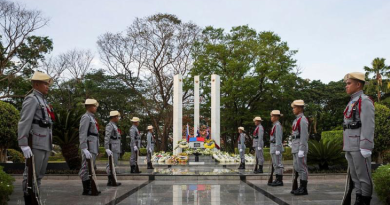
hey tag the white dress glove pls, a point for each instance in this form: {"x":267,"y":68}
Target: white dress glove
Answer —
{"x":366,"y":153}
{"x":108,"y":151}
{"x":277,"y":152}
{"x":301,"y":154}
{"x":259,"y":148}
{"x":135,"y":148}
{"x":87,"y":154}
{"x":240,"y":150}
{"x":26,"y":151}
{"x":150,"y":150}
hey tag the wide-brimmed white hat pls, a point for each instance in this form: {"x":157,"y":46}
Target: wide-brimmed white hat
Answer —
{"x":276,"y":112}
{"x":150,"y":127}
{"x":241,"y":128}
{"x":298,"y":103}
{"x":257,"y":119}
{"x":355,"y":75}
{"x":135,"y":119}
{"x":91,"y":102}
{"x":39,"y":76}
{"x":114,"y":113}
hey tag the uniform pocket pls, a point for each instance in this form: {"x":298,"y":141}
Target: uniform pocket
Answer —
{"x":354,"y":138}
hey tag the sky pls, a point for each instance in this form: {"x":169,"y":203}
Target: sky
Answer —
{"x":333,"y":37}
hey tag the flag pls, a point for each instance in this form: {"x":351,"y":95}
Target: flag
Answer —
{"x":208,"y":133}
{"x":197,"y":133}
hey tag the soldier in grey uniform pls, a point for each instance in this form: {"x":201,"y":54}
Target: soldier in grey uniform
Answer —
{"x":112,"y":143}
{"x":358,"y":136}
{"x":89,"y":142}
{"x":299,"y":145}
{"x":36,"y":119}
{"x":241,"y":147}
{"x":135,"y":145}
{"x":150,"y":146}
{"x":276,"y":147}
{"x":258,"y":144}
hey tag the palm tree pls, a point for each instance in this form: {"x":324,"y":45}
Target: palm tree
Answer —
{"x":66,"y":135}
{"x":379,"y":69}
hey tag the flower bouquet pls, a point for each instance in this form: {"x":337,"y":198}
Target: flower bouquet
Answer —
{"x":209,"y":144}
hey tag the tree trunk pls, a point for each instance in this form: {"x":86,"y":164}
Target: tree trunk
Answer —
{"x":3,"y":155}
{"x":71,"y":155}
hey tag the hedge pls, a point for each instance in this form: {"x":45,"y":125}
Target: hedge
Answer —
{"x":337,"y":135}
{"x":15,"y":156}
{"x":6,"y":186}
{"x":381,"y":179}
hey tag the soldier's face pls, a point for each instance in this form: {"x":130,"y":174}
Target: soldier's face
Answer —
{"x":239,"y":131}
{"x":42,"y":87}
{"x":274,"y":118}
{"x":92,"y":109}
{"x":352,"y":86}
{"x":297,"y":110}
{"x":257,"y":122}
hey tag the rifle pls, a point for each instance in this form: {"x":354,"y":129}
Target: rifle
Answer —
{"x":92,"y":176}
{"x":112,"y":169}
{"x":295,"y":181}
{"x":136,"y":161}
{"x":348,"y":189}
{"x":32,"y":184}
{"x":271,"y":176}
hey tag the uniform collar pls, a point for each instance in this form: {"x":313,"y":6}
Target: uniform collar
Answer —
{"x":90,"y":114}
{"x":134,"y":126}
{"x":299,"y":115}
{"x":276,"y":122}
{"x":36,"y":92}
{"x":358,"y":93}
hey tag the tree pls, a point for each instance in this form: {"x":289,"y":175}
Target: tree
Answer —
{"x":382,"y":131}
{"x":379,"y":69}
{"x":256,"y":75}
{"x":146,"y":58}
{"x":19,"y":50}
{"x":9,"y":117}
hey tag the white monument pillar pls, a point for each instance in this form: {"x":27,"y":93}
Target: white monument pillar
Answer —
{"x":177,"y":111}
{"x":215,"y":109}
{"x":196,"y":104}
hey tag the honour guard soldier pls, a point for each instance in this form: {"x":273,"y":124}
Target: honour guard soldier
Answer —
{"x":112,"y":143}
{"x":135,"y":145}
{"x":299,"y":147}
{"x":258,"y":144}
{"x":276,"y":147}
{"x":241,"y":147}
{"x":150,"y":146}
{"x":36,"y":119}
{"x":89,"y":142}
{"x":358,"y":136}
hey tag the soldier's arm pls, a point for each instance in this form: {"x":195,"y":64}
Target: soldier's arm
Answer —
{"x":107,"y":137}
{"x":304,"y":134}
{"x":83,"y":131}
{"x":132,"y":137}
{"x":367,"y":116}
{"x":26,"y":118}
{"x":260,"y":137}
{"x":279,"y":138}
{"x":149,"y":139}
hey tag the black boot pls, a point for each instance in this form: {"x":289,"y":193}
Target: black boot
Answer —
{"x":302,"y":190}
{"x":358,"y":200}
{"x":243,"y":165}
{"x":136,"y":170}
{"x":132,"y":168}
{"x":260,"y":170}
{"x":255,"y":171}
{"x":150,"y":165}
{"x":27,"y":199}
{"x":365,"y":200}
{"x":87,"y":187}
{"x":278,"y":181}
{"x":240,"y":167}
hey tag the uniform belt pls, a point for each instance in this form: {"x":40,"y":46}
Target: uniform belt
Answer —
{"x":295,"y":137}
{"x":41,"y":123}
{"x":352,"y":125}
{"x":272,"y":141}
{"x":255,"y":137}
{"x":115,"y":138}
{"x":93,"y":134}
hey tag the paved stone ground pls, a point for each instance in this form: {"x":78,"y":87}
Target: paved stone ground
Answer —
{"x":204,"y":192}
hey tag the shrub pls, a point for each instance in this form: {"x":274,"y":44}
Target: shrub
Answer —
{"x":6,"y":186}
{"x":142,"y":152}
{"x":15,"y":156}
{"x":334,"y":135}
{"x":9,"y":117}
{"x":325,"y":153}
{"x":236,"y":150}
{"x":126,"y":156}
{"x":381,"y":179}
{"x":382,"y":130}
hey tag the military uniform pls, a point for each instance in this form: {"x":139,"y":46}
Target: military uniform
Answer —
{"x":258,"y":144}
{"x":276,"y":150}
{"x":135,"y":145}
{"x":34,"y":110}
{"x":150,"y":147}
{"x":88,"y":135}
{"x":299,"y":149}
{"x":112,"y":141}
{"x":358,"y":137}
{"x":241,"y":148}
